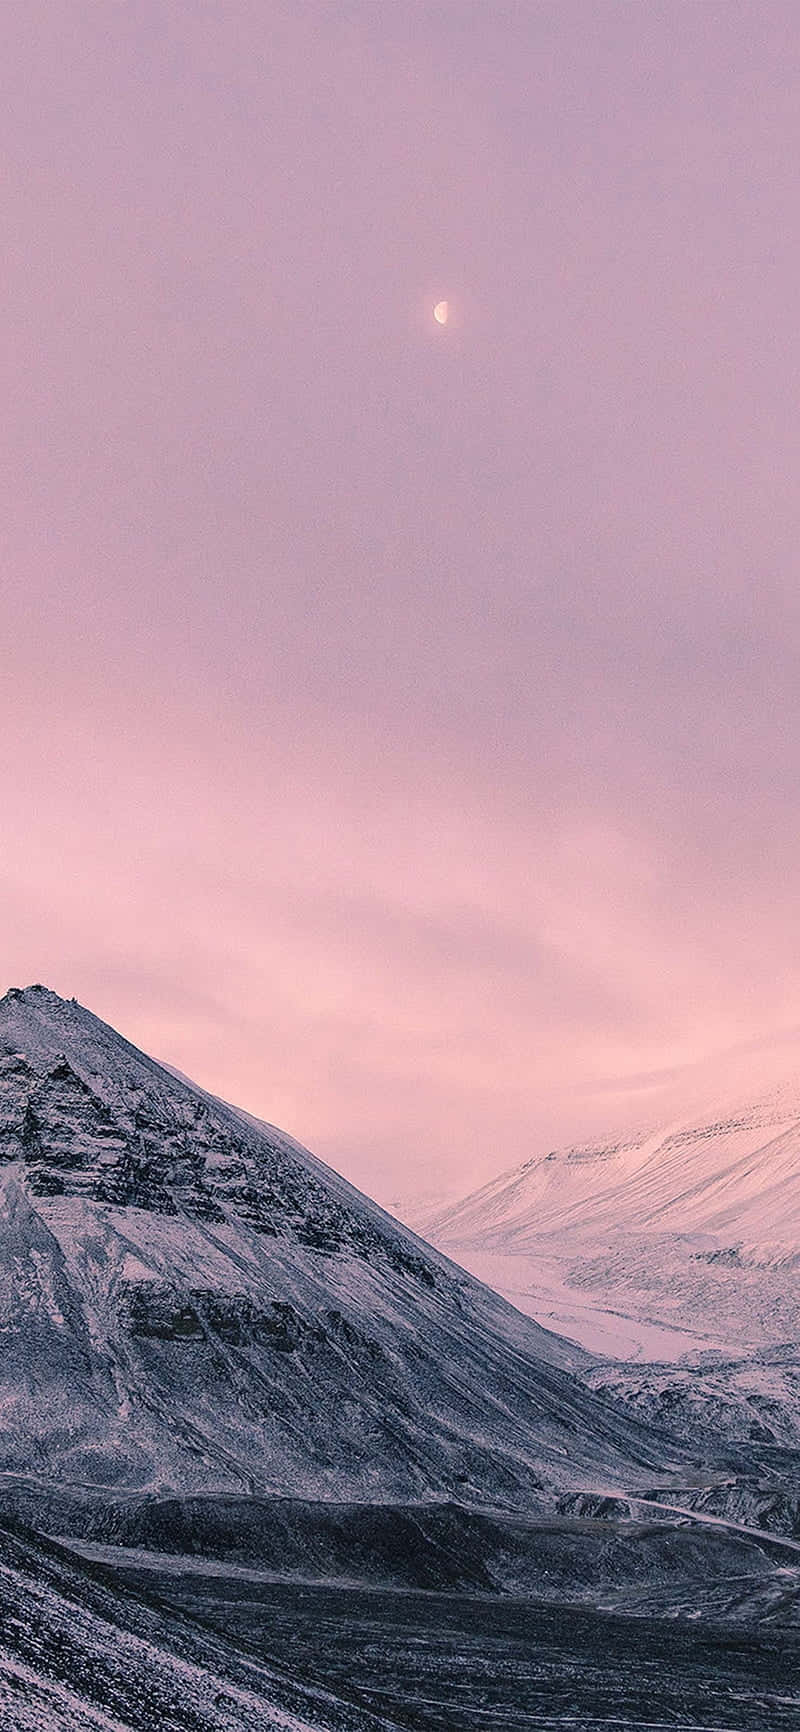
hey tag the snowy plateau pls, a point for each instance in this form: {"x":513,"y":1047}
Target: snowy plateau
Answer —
{"x":269,"y":1459}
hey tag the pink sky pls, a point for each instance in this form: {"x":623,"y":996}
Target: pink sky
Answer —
{"x":400,"y":723}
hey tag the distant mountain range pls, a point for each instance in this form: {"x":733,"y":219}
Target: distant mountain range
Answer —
{"x":676,"y":1251}
{"x":732,"y":1171}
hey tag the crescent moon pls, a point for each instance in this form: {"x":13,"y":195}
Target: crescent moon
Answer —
{"x":440,"y":312}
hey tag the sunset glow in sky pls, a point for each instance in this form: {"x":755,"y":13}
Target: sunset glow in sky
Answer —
{"x":401,"y":724}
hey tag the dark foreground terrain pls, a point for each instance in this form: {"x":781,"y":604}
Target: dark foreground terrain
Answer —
{"x":142,"y":1643}
{"x":460,"y":1663}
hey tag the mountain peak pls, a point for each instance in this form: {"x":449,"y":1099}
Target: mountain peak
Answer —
{"x":37,"y":994}
{"x":201,"y":1302}
{"x":37,"y":1006}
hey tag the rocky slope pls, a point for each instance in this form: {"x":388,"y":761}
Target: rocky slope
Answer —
{"x":80,"y":1654}
{"x":188,"y":1299}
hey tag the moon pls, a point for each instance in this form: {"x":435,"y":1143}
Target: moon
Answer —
{"x":441,"y":312}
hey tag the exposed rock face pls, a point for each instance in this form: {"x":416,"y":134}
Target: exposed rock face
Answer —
{"x":189,"y":1299}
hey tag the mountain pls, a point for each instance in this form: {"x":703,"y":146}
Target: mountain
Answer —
{"x":681,"y":1239}
{"x":190,"y":1301}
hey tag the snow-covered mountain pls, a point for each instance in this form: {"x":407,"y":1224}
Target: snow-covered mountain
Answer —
{"x":680,"y":1239}
{"x":188,"y":1299}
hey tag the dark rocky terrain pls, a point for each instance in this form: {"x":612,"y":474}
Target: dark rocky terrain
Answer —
{"x":139,"y":1647}
{"x":78,"y":1651}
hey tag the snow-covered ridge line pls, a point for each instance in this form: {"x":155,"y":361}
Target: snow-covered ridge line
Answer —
{"x":659,"y":1244}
